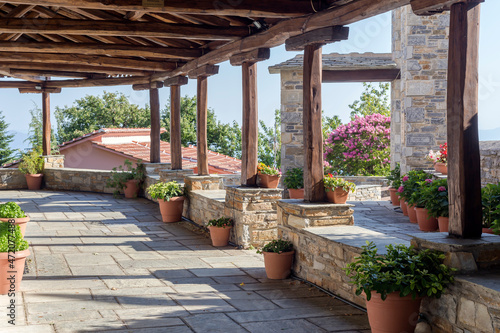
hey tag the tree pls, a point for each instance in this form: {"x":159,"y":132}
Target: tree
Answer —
{"x":35,"y":133}
{"x":91,"y":113}
{"x":5,"y":140}
{"x":270,"y":142}
{"x":372,"y":101}
{"x":330,"y":124}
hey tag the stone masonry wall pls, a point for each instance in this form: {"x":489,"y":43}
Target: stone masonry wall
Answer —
{"x":12,"y":179}
{"x":53,"y":161}
{"x":77,"y":180}
{"x":490,"y":162}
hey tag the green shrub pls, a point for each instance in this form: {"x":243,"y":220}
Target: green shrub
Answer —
{"x":437,"y":198}
{"x":16,"y":238}
{"x":277,"y":246}
{"x":122,"y":174}
{"x":331,"y":183}
{"x":11,"y":210}
{"x":166,"y":191}
{"x":32,"y":162}
{"x":395,"y":177}
{"x":490,"y":198}
{"x":220,"y":222}
{"x":294,"y":178}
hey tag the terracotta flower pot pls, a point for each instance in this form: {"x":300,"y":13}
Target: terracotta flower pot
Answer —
{"x":296,"y":193}
{"x":395,"y":314}
{"x":34,"y":181}
{"x":219,"y":235}
{"x":269,"y":181}
{"x":394,"y":196}
{"x":5,"y":282}
{"x":278,"y":265}
{"x":131,"y":189}
{"x":443,"y":223}
{"x":404,"y":207}
{"x":22,"y":222}
{"x":412,"y":214}
{"x":488,"y":231}
{"x":337,"y":196}
{"x":171,"y":211}
{"x":441,"y":168}
{"x":426,"y":223}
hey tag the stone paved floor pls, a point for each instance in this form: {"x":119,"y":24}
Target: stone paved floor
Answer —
{"x":102,"y":264}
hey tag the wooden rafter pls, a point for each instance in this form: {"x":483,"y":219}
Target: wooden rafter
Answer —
{"x":429,"y":7}
{"x":65,"y":67}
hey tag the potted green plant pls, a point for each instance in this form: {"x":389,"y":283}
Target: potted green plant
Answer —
{"x":13,"y":253}
{"x":418,"y":199}
{"x":437,"y":202}
{"x":32,"y":166}
{"x":490,"y":198}
{"x":394,"y":183}
{"x":127,"y":178}
{"x":394,"y":283}
{"x":11,"y":210}
{"x":409,"y":184}
{"x":219,"y":230}
{"x":294,"y":181}
{"x":170,"y":197}
{"x":337,"y":189}
{"x":278,"y":258}
{"x":269,"y":176}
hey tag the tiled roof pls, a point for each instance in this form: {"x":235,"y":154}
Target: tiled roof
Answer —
{"x":337,"y":61}
{"x":102,"y":131}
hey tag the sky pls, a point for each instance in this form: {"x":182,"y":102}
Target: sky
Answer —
{"x":224,"y":89}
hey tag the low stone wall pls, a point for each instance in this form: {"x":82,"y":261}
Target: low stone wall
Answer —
{"x":367,"y":180}
{"x":12,"y":179}
{"x":53,"y":161}
{"x":366,"y":192}
{"x":490,"y":162}
{"x":66,"y":179}
{"x":205,"y":206}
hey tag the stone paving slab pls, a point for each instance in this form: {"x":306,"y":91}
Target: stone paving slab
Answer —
{"x":101,"y":264}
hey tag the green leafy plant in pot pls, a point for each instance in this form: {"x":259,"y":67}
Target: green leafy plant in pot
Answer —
{"x":437,"y":202}
{"x":11,"y":210}
{"x":418,"y":199}
{"x":409,"y":184}
{"x":337,"y":189}
{"x":13,"y":253}
{"x":170,"y":197}
{"x":394,"y":179}
{"x":127,"y":178}
{"x":394,"y":284}
{"x":490,"y":198}
{"x":294,"y":181}
{"x":278,"y":258}
{"x":32,"y":166}
{"x":220,"y":230}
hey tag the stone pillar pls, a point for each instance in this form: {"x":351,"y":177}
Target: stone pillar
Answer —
{"x":53,"y":161}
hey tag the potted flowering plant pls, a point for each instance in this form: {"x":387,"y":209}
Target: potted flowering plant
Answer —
{"x":437,"y":202}
{"x":219,"y":230}
{"x":170,"y":197}
{"x":408,"y":186}
{"x":490,"y":198}
{"x":11,"y":210}
{"x":278,"y":258}
{"x":440,"y":159}
{"x":294,"y":181}
{"x":394,"y":183}
{"x":337,"y":189}
{"x":269,"y":176}
{"x":13,"y":253}
{"x":418,"y":199}
{"x":126,"y":178}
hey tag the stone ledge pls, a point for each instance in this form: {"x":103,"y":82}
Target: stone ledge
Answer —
{"x":299,"y":214}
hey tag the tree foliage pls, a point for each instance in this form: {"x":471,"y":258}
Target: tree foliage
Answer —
{"x":35,"y":133}
{"x":269,"y":151}
{"x":372,"y":101}
{"x":91,"y":113}
{"x":330,"y":124}
{"x":5,"y":140}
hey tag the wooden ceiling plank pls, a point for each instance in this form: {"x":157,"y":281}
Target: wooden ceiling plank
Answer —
{"x":49,"y":73}
{"x":81,"y":68}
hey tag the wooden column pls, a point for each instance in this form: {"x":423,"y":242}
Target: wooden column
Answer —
{"x":46,"y":123}
{"x":313,"y":134}
{"x":201,"y":126}
{"x":464,"y":173}
{"x":175,"y":128}
{"x":154,"y":104}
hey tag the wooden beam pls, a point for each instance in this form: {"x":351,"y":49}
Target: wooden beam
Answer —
{"x":131,"y":29}
{"x":319,"y":36}
{"x":67,"y":59}
{"x":39,"y":91}
{"x":97,"y":82}
{"x":280,"y":32}
{"x":464,"y":170}
{"x":72,"y":68}
{"x":364,"y":75}
{"x":46,"y":128}
{"x":121,"y":50}
{"x":250,"y":56}
{"x":147,"y":86}
{"x":201,"y":126}
{"x":313,"y":133}
{"x":206,"y":71}
{"x":154,"y":104}
{"x":429,"y":7}
{"x":57,"y":73}
{"x":276,"y":8}
{"x":175,"y":128}
{"x":250,"y":123}
{"x":176,"y":81}
{"x":20,"y":84}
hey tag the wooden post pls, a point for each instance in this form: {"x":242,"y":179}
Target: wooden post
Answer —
{"x":201,"y":126}
{"x":154,"y":101}
{"x":464,"y":173}
{"x":175,"y":127}
{"x":313,"y":133}
{"x":46,"y":124}
{"x":250,"y":130}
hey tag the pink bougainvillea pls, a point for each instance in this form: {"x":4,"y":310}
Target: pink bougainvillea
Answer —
{"x":361,"y":147}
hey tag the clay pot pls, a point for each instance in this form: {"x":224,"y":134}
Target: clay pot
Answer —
{"x":395,"y":314}
{"x":34,"y":181}
{"x":296,"y":193}
{"x":171,"y":211}
{"x":269,"y":181}
{"x":337,"y":196}
{"x":488,"y":231}
{"x":426,"y":223}
{"x":443,"y":223}
{"x":20,"y":259}
{"x":22,"y":222}
{"x":441,"y":168}
{"x":404,"y":207}
{"x":394,"y":196}
{"x":219,"y":235}
{"x":278,"y":265}
{"x":131,"y":189}
{"x":412,"y":214}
